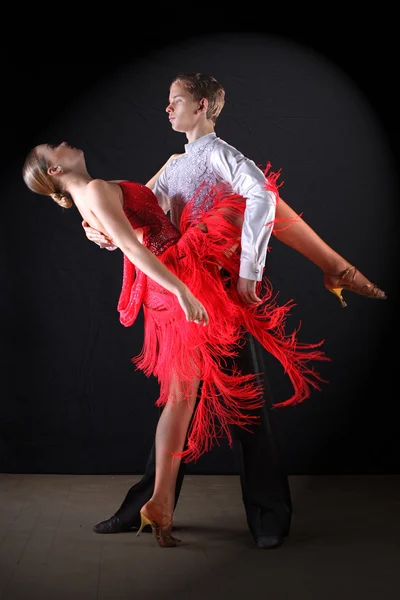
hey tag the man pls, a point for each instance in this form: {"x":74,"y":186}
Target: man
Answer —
{"x":195,"y":103}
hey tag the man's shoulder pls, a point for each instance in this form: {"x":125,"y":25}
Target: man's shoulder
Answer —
{"x":222,"y":147}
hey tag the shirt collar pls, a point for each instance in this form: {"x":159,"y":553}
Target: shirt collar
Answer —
{"x":200,"y":142}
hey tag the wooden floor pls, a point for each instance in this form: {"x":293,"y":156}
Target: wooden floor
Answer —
{"x":344,"y":543}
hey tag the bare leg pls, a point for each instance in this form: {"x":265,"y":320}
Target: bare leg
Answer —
{"x":170,"y":438}
{"x":338,"y":272}
{"x":293,"y":231}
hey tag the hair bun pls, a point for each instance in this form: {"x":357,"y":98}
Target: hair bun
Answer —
{"x":61,"y":200}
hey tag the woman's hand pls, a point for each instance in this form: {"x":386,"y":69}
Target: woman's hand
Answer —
{"x":97,"y":237}
{"x":193,"y":308}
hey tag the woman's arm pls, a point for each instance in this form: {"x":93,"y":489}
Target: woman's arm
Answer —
{"x":99,"y":238}
{"x":109,"y":212}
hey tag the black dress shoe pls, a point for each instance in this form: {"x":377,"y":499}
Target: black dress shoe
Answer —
{"x":269,"y":541}
{"x":112,"y":525}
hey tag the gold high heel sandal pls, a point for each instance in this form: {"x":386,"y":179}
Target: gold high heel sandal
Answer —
{"x":162,"y":533}
{"x":370,"y":290}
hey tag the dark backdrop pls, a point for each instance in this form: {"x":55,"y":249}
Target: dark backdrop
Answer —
{"x":323,"y":112}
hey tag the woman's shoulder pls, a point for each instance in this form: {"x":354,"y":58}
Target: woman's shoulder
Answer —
{"x":127,"y":182}
{"x":96,"y":189}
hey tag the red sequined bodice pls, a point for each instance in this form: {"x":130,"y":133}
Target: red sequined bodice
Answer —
{"x":142,"y":209}
{"x":143,"y":212}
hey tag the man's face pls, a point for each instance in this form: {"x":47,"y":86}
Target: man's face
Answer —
{"x":182,"y":109}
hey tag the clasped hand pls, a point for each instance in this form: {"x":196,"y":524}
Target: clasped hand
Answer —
{"x":97,"y":237}
{"x":246,"y":288}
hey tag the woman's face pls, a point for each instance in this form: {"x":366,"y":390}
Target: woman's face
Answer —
{"x":65,"y":155}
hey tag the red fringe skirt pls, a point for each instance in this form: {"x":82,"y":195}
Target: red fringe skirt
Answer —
{"x":177,"y":350}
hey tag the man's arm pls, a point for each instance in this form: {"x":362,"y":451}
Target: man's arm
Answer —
{"x":151,"y":183}
{"x":159,"y":184}
{"x":249,"y":181}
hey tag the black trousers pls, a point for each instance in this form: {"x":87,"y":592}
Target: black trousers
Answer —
{"x":264,"y":483}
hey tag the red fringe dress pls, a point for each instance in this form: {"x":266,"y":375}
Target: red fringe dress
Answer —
{"x":177,"y":350}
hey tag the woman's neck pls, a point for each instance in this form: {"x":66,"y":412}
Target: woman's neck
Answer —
{"x":75,"y":183}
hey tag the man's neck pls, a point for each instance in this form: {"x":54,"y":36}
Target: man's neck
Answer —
{"x":199,"y":131}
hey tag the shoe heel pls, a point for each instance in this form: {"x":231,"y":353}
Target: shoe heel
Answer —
{"x":144,"y":521}
{"x":338,"y":292}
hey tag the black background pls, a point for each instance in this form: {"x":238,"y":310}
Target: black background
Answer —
{"x":321,"y":104}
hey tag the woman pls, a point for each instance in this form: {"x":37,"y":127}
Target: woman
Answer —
{"x":182,"y":280}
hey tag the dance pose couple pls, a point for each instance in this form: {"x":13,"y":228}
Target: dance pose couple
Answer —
{"x":194,"y":240}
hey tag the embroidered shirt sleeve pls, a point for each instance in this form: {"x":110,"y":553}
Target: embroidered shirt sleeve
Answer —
{"x":249,"y":181}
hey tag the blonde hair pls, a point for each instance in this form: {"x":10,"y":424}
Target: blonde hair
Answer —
{"x":36,"y":177}
{"x":204,"y":86}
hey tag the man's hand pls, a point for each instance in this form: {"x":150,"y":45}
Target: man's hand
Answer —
{"x":97,"y":237}
{"x":246,"y":289}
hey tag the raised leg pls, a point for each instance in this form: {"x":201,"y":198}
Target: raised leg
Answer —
{"x":293,"y":231}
